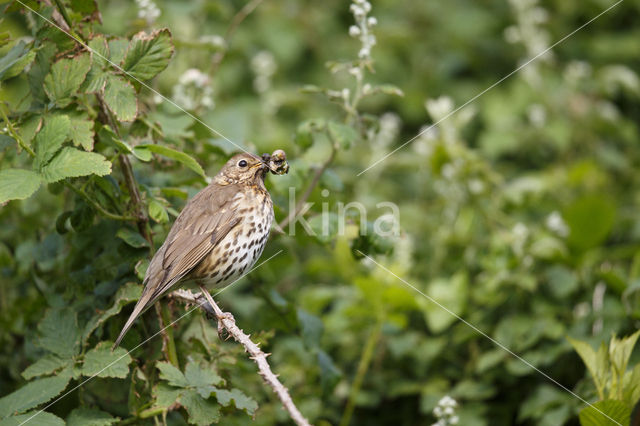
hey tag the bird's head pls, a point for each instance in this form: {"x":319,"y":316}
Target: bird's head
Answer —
{"x":242,"y":168}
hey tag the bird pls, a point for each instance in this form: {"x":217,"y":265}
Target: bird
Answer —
{"x":220,"y":233}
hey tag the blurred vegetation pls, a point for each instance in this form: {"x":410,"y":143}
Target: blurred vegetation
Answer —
{"x":518,"y":212}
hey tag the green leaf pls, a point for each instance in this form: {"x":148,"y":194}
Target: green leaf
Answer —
{"x":166,"y":396}
{"x":45,"y":365}
{"x":200,"y":410}
{"x":65,"y":78}
{"x":129,"y":293}
{"x":59,"y":333}
{"x":615,"y":414}
{"x":101,"y":361}
{"x":131,"y":237}
{"x":142,"y":154}
{"x":117,"y":49}
{"x":99,"y":50}
{"x":33,"y":394}
{"x":41,"y":418}
{"x":15,"y":61}
{"x":311,"y":328}
{"x":148,"y":54}
{"x":81,"y":132}
{"x":451,"y":293}
{"x":84,"y":416}
{"x":171,"y":374}
{"x":239,"y":398}
{"x":120,"y":97}
{"x":17,"y":184}
{"x":107,"y":136}
{"x":181,"y":157}
{"x":590,"y":220}
{"x":202,"y":379}
{"x":157,"y":212}
{"x":342,"y":134}
{"x":71,"y":162}
{"x":50,"y":138}
{"x":329,"y":373}
{"x":304,"y":132}
{"x":596,"y":363}
{"x":620,"y":351}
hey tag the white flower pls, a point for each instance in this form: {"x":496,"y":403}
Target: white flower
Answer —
{"x":264,"y":66}
{"x":556,"y":223}
{"x":454,"y":420}
{"x":148,"y":11}
{"x":537,"y":115}
{"x":372,"y":21}
{"x":354,"y":31}
{"x":193,"y":90}
{"x":364,"y":53}
{"x":439,"y":108}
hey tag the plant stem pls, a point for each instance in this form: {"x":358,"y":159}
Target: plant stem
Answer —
{"x":168,"y":343}
{"x":97,"y":206}
{"x":363,"y":366}
{"x":233,"y":26}
{"x":15,"y":134}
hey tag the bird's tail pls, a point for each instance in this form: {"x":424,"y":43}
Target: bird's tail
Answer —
{"x":145,"y":301}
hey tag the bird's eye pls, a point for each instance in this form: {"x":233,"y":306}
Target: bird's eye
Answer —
{"x":242,"y":163}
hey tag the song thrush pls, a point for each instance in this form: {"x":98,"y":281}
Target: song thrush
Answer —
{"x":219,"y":234}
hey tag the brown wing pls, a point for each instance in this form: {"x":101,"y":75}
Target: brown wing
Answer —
{"x":201,"y":225}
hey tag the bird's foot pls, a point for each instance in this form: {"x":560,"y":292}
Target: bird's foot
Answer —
{"x":220,"y":317}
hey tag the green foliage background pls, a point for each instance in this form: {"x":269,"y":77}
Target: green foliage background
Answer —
{"x":518,"y":213}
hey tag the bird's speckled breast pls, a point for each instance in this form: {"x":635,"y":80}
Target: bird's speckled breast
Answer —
{"x":238,"y":251}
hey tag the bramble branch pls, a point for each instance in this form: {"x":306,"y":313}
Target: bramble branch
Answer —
{"x":205,"y":302}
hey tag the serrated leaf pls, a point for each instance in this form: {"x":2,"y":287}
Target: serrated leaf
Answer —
{"x":71,"y":162}
{"x":17,"y":184}
{"x":65,"y":77}
{"x":120,"y":97}
{"x":157,"y":212}
{"x":50,"y":138}
{"x":172,"y":374}
{"x":117,"y":49}
{"x":41,"y":418}
{"x":59,"y":333}
{"x":131,"y":237}
{"x":45,"y":365}
{"x":99,"y":50}
{"x":200,"y":410}
{"x":202,"y":379}
{"x":84,"y":416}
{"x":148,"y":54}
{"x":179,"y":156}
{"x":15,"y":61}
{"x":101,"y":361}
{"x":596,"y":362}
{"x":129,"y":293}
{"x":81,"y":132}
{"x":33,"y":394}
{"x":615,"y":413}
{"x":342,"y":134}
{"x":239,"y":398}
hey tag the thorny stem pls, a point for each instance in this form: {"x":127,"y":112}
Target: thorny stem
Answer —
{"x":363,"y":366}
{"x":255,"y":353}
{"x":233,"y":26}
